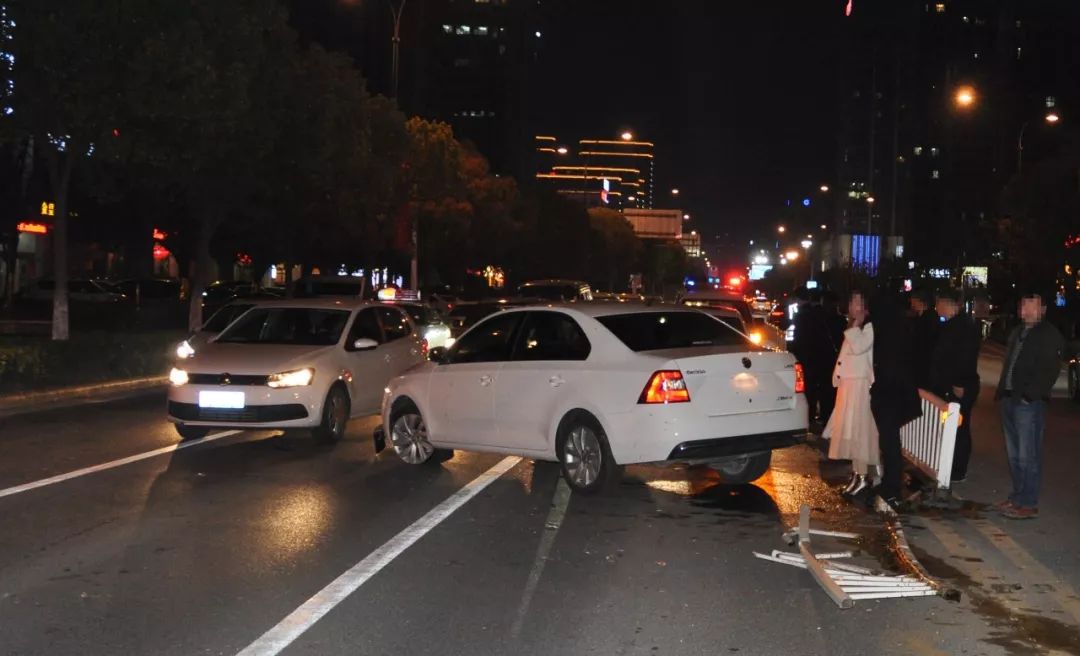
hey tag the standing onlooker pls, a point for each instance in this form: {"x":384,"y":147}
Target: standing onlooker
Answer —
{"x":894,"y":398}
{"x":954,"y":371}
{"x":925,"y":328}
{"x":1032,"y":364}
{"x":851,"y":430}
{"x":835,"y":325}
{"x":813,"y":349}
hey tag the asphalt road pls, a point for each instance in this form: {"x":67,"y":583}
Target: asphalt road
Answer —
{"x":257,"y":542}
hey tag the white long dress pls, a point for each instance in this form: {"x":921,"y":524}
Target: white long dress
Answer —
{"x":851,"y":431}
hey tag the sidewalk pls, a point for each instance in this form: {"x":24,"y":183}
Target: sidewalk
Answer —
{"x":65,"y":397}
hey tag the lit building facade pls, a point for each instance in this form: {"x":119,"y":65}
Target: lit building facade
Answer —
{"x":616,"y":173}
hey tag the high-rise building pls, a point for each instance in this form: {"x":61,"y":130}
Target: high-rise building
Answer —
{"x":617,"y":173}
{"x":472,"y":63}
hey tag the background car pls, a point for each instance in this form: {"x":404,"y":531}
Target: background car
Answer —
{"x":309,"y":363}
{"x":79,"y":291}
{"x":430,"y":323}
{"x":557,"y":290}
{"x":598,"y":386}
{"x":464,"y":315}
{"x":771,"y":336}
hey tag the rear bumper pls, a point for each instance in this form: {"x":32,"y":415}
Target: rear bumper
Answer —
{"x":733,"y":446}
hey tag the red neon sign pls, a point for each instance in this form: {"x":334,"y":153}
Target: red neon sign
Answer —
{"x":33,"y":228}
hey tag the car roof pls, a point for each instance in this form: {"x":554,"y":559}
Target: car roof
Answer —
{"x":555,"y":281}
{"x":716,"y":294}
{"x":607,"y":309}
{"x":318,"y":303}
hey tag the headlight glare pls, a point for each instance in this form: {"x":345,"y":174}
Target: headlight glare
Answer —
{"x":185,"y":350}
{"x":178,"y":377}
{"x":297,"y":378}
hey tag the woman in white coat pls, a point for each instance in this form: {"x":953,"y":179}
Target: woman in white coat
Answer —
{"x":851,"y":430}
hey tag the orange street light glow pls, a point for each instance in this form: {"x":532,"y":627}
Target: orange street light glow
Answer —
{"x":965,"y":96}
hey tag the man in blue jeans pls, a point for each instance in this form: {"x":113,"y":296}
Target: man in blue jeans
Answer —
{"x":1032,"y":365}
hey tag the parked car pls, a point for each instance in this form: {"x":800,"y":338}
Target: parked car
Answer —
{"x":319,"y":286}
{"x":557,"y":290}
{"x":771,"y":336}
{"x":79,"y":291}
{"x":597,"y":386}
{"x":308,"y":363}
{"x":151,"y":289}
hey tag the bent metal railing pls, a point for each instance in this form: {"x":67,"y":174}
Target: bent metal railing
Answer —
{"x":929,"y":441}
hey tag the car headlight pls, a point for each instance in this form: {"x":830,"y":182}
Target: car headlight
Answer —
{"x":185,"y":350}
{"x":298,"y":378}
{"x":178,"y":377}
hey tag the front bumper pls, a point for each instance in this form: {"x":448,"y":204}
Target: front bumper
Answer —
{"x":734,"y":446}
{"x":264,"y":407}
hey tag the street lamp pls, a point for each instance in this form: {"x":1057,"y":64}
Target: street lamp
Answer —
{"x":685,"y":217}
{"x":1051,"y":118}
{"x":824,"y":189}
{"x":562,"y":150}
{"x":824,"y":227}
{"x":627,"y":136}
{"x":792,"y":255}
{"x":781,"y":229}
{"x":871,"y":200}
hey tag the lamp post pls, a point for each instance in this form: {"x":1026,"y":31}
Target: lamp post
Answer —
{"x":806,"y":244}
{"x":395,"y":12}
{"x":1051,"y":118}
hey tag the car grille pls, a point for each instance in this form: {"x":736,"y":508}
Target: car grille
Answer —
{"x":253,"y":414}
{"x":226,"y":379}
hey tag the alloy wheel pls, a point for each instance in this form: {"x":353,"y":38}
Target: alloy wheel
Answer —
{"x":410,"y":439}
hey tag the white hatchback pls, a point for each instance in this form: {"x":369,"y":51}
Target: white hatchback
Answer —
{"x":311,"y":363}
{"x":597,"y":386}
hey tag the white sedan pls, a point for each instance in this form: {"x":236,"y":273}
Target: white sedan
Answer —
{"x":310,"y":363}
{"x":595,"y":387}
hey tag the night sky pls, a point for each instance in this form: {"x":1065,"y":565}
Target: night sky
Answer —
{"x":740,"y":97}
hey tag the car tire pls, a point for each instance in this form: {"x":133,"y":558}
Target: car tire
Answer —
{"x":1074,"y":382}
{"x":743,"y":469}
{"x":409,"y":436}
{"x":585,"y":456}
{"x":187,"y":433}
{"x":335,"y":416}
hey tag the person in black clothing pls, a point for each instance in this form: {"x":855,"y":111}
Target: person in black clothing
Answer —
{"x":926,"y":325}
{"x":835,"y":325}
{"x":812,"y":348}
{"x":954,"y":371}
{"x":894,"y":398}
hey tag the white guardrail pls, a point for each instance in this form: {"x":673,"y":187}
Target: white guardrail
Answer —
{"x":930,"y":440}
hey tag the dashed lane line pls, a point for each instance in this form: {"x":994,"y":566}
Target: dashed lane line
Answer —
{"x":112,"y":464}
{"x":311,"y":611}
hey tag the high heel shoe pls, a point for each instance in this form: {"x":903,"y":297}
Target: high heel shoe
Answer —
{"x":851,"y":484}
{"x":859,"y":487}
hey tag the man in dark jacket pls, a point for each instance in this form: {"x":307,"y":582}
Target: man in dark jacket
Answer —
{"x":954,"y":370}
{"x":894,"y":399}
{"x":812,"y":348}
{"x":925,"y":328}
{"x":1032,"y":364}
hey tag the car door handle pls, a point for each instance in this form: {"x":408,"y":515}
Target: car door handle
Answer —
{"x":556,"y":381}
{"x":485,"y":380}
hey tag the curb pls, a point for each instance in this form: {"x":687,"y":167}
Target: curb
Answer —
{"x":14,"y":404}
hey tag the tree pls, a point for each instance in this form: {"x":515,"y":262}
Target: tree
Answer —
{"x":616,"y":250}
{"x":67,"y":79}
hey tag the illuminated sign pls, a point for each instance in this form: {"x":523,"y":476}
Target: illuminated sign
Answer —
{"x":976,"y":275}
{"x":938,"y":273}
{"x":758,"y":271}
{"x":33,"y":228}
{"x":48,"y":209}
{"x":866,"y":253}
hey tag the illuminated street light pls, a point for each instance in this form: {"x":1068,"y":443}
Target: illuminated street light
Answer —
{"x":674,"y":192}
{"x":627,"y":136}
{"x":824,"y":189}
{"x":685,"y":217}
{"x":631,"y":198}
{"x":1052,"y":117}
{"x":781,"y":229}
{"x":824,"y":227}
{"x":792,"y":255}
{"x":806,"y":243}
{"x":562,"y":150}
{"x":870,"y":199}
{"x":965,"y":96}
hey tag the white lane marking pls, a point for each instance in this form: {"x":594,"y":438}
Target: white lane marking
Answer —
{"x":311,"y":611}
{"x":60,"y":478}
{"x":547,"y":539}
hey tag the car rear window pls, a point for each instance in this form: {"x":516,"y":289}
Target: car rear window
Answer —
{"x":654,"y":331}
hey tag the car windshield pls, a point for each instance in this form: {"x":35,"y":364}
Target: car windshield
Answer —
{"x":299,"y":326}
{"x":653,"y":331}
{"x":550,"y":292}
{"x":223,"y":317}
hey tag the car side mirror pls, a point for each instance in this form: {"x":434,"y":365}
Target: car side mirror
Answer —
{"x":365,"y":344}
{"x":437,"y":354}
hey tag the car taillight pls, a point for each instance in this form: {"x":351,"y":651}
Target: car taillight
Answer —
{"x":424,"y":347}
{"x":665,"y":387}
{"x":800,"y":380}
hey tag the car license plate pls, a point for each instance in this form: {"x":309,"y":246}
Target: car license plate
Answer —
{"x":215,"y":399}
